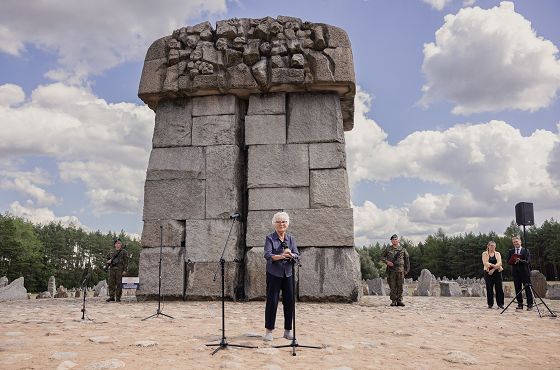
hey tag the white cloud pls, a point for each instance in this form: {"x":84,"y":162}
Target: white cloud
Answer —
{"x":11,"y":95}
{"x":106,"y":146}
{"x":9,"y":43}
{"x":113,"y":186}
{"x":93,"y":36}
{"x":43,"y":215}
{"x":437,"y":4}
{"x":490,"y":167}
{"x":490,"y":60}
{"x":28,"y":183}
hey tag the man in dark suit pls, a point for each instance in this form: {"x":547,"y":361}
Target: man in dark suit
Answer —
{"x":520,"y":272}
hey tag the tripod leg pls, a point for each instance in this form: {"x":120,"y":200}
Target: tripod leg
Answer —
{"x":535,"y":294}
{"x":509,"y":304}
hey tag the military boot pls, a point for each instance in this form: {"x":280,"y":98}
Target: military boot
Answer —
{"x":400,"y":304}
{"x":393,"y":303}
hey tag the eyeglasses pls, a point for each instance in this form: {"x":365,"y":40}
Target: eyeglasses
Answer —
{"x":281,"y":222}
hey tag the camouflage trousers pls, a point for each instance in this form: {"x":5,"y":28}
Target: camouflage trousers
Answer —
{"x":115,"y":282}
{"x":395,"y":280}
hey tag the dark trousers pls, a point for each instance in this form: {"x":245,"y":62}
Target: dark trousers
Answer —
{"x":395,"y":280}
{"x":273,"y":286}
{"x":115,"y":282}
{"x":494,"y":281}
{"x":521,"y":276}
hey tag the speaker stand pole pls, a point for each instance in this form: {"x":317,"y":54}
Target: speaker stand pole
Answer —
{"x":158,"y":311}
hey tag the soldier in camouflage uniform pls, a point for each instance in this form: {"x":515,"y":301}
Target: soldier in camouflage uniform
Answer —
{"x":117,"y":263}
{"x":398,"y":265}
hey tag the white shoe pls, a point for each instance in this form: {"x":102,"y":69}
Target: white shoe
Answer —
{"x":268,"y":336}
{"x":288,"y":335}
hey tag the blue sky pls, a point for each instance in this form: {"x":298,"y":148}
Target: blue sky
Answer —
{"x":457,"y":113}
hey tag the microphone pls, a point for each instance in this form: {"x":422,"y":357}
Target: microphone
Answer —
{"x":235,"y":216}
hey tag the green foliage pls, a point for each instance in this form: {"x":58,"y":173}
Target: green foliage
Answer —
{"x":21,"y":252}
{"x":369,"y":271}
{"x":65,"y":252}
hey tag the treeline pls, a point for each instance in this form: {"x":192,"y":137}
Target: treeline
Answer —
{"x":37,"y":252}
{"x":454,"y":256}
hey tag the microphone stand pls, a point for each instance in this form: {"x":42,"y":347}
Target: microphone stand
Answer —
{"x":158,"y":311}
{"x":294,"y":343}
{"x":223,"y":342}
{"x":84,"y":289}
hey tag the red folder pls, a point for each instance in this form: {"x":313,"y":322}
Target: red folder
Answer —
{"x":513,"y":258}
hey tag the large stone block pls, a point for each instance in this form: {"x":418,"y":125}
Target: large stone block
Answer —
{"x":201,"y":282}
{"x":172,"y":272}
{"x":309,"y":226}
{"x":259,"y":225}
{"x":205,"y":240}
{"x":329,"y":188}
{"x":267,"y":104}
{"x":265,"y":129}
{"x":173,"y":123}
{"x":214,"y":105}
{"x":450,"y":289}
{"x":314,"y":118}
{"x":174,"y":199}
{"x":240,"y":77}
{"x":278,"y":166}
{"x":209,"y":84}
{"x":224,"y":189}
{"x":176,"y":163}
{"x":158,"y":49}
{"x":327,"y":155}
{"x":322,"y":227}
{"x":278,"y":198}
{"x":329,"y":274}
{"x":376,"y":286}
{"x":342,"y":59}
{"x":172,"y":233}
{"x":153,"y":75}
{"x":286,"y":76}
{"x":14,"y":291}
{"x":255,"y":274}
{"x":538,"y":280}
{"x":320,"y":66}
{"x":215,"y":130}
{"x":336,"y":37}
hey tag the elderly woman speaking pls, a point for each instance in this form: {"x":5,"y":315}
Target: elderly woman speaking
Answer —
{"x":279,"y":248}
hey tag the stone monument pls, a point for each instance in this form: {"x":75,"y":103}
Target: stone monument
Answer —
{"x":250,"y":118}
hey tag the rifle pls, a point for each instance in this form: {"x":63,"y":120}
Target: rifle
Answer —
{"x":395,"y":259}
{"x":110,"y":263}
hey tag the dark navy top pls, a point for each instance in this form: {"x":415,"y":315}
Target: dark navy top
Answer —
{"x":272,"y":245}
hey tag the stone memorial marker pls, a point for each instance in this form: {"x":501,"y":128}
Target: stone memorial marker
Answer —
{"x":250,"y":118}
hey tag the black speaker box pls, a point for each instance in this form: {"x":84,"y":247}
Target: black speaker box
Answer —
{"x":524,"y":214}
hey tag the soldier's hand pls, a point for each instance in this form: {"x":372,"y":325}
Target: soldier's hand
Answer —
{"x":124,"y":273}
{"x":390,"y":264}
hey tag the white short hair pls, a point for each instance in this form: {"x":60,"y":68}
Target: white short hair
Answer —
{"x":280,"y":214}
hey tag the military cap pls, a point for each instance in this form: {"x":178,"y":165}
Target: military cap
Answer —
{"x":394,"y":236}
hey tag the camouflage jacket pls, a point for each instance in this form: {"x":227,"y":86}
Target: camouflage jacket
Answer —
{"x":399,"y":257}
{"x":119,"y":260}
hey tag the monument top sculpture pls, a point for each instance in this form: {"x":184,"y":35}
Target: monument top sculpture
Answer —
{"x":247,"y":56}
